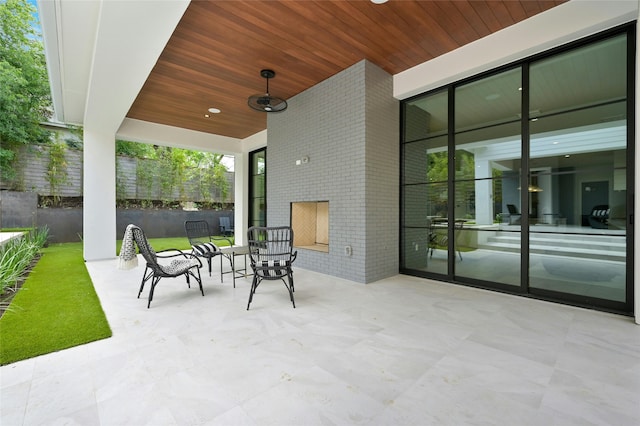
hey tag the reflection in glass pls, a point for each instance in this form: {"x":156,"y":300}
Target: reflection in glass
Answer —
{"x":420,"y":251}
{"x":487,"y":103}
{"x":258,"y":188}
{"x":573,"y":198}
{"x":424,"y":178}
{"x":426,"y":117}
{"x":487,"y":176}
{"x":425,"y":161}
{"x":578,"y":165}
{"x":489,"y":251}
{"x":423,"y":202}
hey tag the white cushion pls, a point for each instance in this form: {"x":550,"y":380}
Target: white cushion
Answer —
{"x":205,"y":249}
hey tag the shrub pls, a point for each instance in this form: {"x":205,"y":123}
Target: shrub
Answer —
{"x":16,"y":256}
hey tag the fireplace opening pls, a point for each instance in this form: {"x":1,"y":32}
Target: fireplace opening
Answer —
{"x":310,"y":223}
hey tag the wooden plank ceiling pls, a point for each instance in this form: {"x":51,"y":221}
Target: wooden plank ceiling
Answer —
{"x":216,"y":53}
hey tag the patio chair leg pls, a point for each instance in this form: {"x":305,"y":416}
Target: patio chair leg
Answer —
{"x":254,"y":285}
{"x":290,"y":288}
{"x":199,"y":279}
{"x":154,"y":283}
{"x":145,"y":278}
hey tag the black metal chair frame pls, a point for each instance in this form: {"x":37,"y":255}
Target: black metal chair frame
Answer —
{"x":599,"y":216}
{"x":182,"y":264}
{"x":198,"y":233}
{"x":271,"y":256}
{"x":225,"y":226}
{"x":443,"y":240}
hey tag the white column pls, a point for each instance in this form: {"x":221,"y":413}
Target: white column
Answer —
{"x":99,"y":193}
{"x":241,"y":213}
{"x":484,"y":193}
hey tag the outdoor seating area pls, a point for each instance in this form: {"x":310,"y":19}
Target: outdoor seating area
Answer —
{"x":272,"y":256}
{"x":460,"y":179}
{"x":203,"y":242}
{"x":392,"y":352}
{"x":176,"y":263}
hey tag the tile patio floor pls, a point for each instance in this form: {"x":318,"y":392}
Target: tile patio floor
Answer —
{"x":401,"y":351}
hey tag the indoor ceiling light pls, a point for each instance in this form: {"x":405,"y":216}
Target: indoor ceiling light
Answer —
{"x":214,"y":110}
{"x":266,"y":102}
{"x":533,"y":188}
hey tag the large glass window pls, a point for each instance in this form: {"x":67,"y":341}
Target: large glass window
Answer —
{"x":487,"y":166}
{"x":578,"y":153}
{"x":519,"y":179}
{"x":258,"y":188}
{"x":425,"y":192}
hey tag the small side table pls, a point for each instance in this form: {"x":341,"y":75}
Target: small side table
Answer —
{"x":231,"y":252}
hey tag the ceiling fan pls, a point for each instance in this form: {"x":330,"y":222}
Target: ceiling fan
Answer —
{"x":266,"y":102}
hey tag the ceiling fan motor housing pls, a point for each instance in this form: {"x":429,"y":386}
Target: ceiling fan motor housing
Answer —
{"x":266,"y":102}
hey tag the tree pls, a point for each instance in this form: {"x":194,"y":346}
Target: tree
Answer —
{"x":24,"y":88}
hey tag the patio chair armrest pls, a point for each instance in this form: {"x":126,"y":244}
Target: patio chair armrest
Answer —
{"x":218,"y":238}
{"x":294,"y":255}
{"x":177,"y":252}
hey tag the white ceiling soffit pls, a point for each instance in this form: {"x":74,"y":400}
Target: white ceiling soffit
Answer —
{"x":561,"y":24}
{"x":160,"y":134}
{"x":99,"y":54}
{"x":68,"y":31}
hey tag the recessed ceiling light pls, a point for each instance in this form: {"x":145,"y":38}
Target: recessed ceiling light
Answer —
{"x":206,"y":116}
{"x":214,"y":110}
{"x":379,"y":1}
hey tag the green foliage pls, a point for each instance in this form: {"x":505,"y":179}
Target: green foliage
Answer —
{"x":17,"y":254}
{"x":169,"y":169}
{"x":57,"y":169}
{"x":57,"y":308}
{"x":210,"y":173}
{"x":171,"y":163}
{"x":134,"y":149}
{"x":24,"y":88}
{"x":144,"y":175}
{"x":437,"y":170}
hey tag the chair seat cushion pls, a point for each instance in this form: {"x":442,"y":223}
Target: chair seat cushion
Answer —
{"x":179,"y":266}
{"x":205,"y":249}
{"x":273,"y":268}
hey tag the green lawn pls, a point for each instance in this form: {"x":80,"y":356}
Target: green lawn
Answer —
{"x":57,"y":308}
{"x":180,"y":243}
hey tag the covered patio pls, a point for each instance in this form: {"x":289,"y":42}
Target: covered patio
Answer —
{"x":393,"y":352}
{"x":118,"y":69}
{"x":399,"y":350}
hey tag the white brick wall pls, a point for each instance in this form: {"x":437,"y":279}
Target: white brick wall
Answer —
{"x":348,"y":127}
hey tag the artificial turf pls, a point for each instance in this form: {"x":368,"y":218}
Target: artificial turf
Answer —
{"x":56,"y":308}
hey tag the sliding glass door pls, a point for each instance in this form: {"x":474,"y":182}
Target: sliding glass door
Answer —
{"x":521,"y":179}
{"x":578,"y":165}
{"x":488,"y":142}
